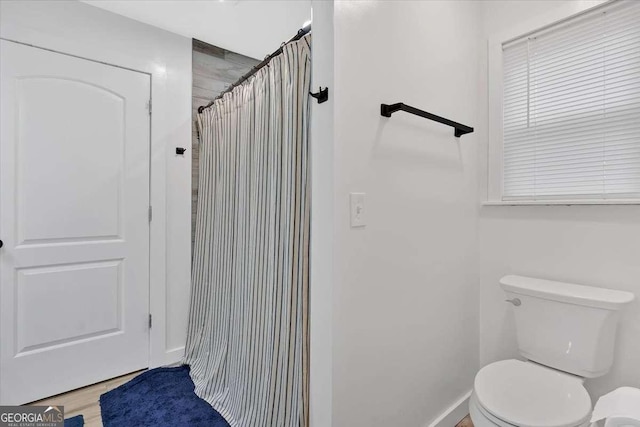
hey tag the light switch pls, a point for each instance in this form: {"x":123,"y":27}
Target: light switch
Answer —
{"x":358,"y":218}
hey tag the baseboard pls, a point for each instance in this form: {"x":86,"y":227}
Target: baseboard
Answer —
{"x":173,"y":365}
{"x":171,"y":357}
{"x":174,"y":356}
{"x":454,"y":413}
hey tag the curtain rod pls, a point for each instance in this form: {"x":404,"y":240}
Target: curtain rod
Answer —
{"x":301,"y":33}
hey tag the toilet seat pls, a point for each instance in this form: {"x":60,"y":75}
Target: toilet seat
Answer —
{"x":530,"y":395}
{"x":481,"y":417}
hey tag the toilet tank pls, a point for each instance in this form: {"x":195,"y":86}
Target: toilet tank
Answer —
{"x":568,"y":327}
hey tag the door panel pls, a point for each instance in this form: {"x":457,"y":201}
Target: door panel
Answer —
{"x":74,"y":197}
{"x":93,"y":187}
{"x":45,"y":314}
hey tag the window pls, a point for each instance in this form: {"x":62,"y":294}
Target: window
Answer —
{"x":571,"y":108}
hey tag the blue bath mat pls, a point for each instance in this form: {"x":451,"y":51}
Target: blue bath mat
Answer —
{"x":161,"y":397}
{"x":77,"y":421}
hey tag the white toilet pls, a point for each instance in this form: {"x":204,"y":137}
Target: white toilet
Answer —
{"x":566,"y":332}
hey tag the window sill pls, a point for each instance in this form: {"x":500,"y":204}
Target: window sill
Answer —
{"x":565,"y":202}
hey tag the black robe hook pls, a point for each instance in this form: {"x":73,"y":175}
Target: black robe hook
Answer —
{"x":322,"y":95}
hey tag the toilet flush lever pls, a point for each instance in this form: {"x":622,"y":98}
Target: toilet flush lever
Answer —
{"x":515,"y":301}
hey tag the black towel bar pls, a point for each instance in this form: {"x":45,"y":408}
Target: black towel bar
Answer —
{"x":387,"y":110}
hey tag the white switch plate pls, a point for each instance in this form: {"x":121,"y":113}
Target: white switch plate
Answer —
{"x":358,"y":218}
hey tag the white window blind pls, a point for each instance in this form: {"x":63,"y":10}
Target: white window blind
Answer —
{"x":571,"y":108}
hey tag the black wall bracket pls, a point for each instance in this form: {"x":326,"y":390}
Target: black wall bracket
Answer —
{"x":180,"y":151}
{"x":322,"y":95}
{"x":387,"y":110}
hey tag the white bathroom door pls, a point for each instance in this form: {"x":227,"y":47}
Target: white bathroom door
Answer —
{"x":74,"y":199}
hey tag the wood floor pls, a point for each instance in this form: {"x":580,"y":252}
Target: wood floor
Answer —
{"x":465,"y":422}
{"x":86,"y":400}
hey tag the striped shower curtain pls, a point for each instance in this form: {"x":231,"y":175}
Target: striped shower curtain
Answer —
{"x":247,"y":341}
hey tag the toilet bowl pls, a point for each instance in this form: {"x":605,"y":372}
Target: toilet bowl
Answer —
{"x":481,"y":417}
{"x":516,"y":393}
{"x":566,"y":333}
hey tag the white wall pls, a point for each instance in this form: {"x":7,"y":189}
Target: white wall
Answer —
{"x":405,"y":291}
{"x":322,"y":221}
{"x":591,"y":245}
{"x":80,"y":29}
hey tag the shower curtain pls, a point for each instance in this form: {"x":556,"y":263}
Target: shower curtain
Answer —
{"x":247,"y":341}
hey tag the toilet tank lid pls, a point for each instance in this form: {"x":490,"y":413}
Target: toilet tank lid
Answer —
{"x":566,"y":292}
